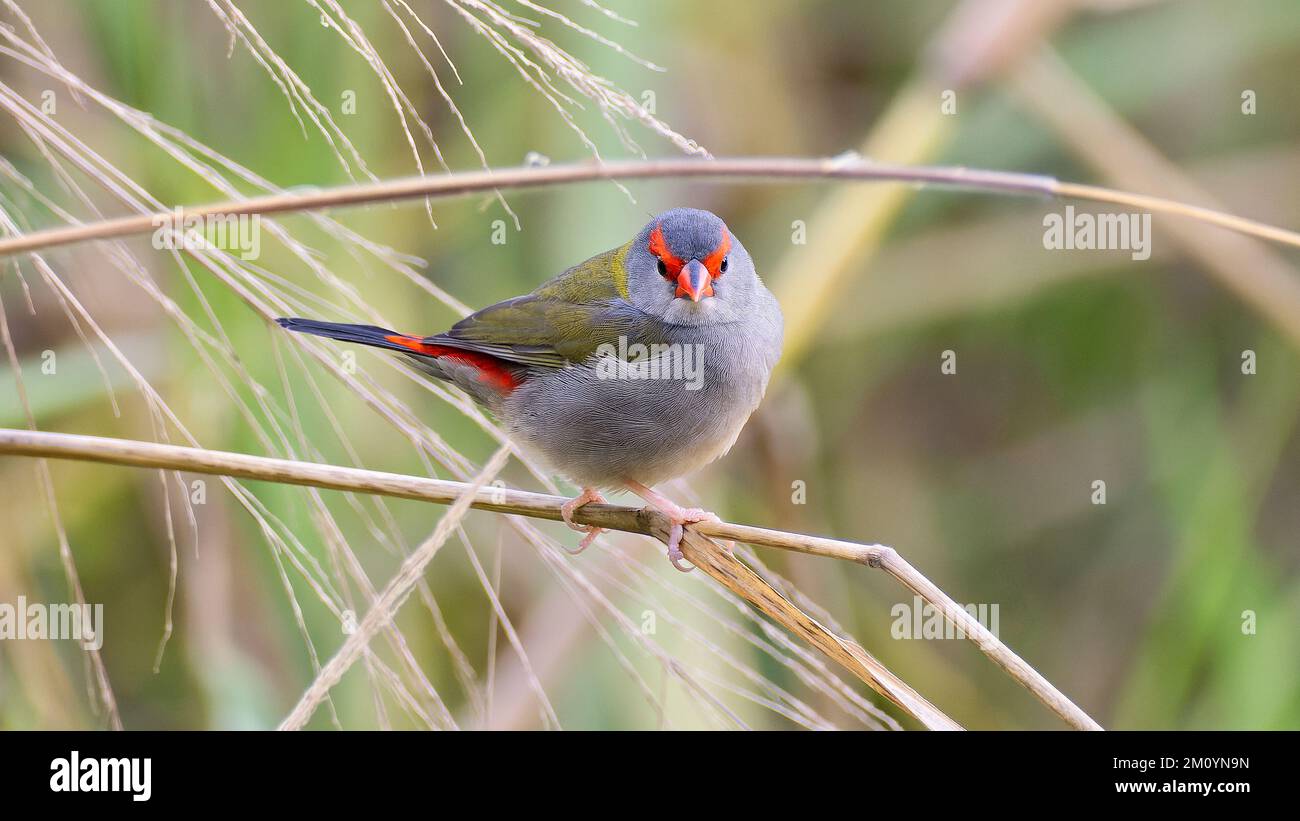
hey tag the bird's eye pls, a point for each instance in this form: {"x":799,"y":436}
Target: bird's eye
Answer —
{"x":723,"y":267}
{"x":663,"y":269}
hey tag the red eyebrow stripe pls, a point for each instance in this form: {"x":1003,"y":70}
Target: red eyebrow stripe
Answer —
{"x":713,"y":261}
{"x":490,"y":369}
{"x":659,"y":247}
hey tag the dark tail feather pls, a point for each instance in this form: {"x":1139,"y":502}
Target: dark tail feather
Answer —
{"x":484,"y":376}
{"x":361,"y":334}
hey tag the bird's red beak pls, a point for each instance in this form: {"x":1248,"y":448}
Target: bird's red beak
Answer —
{"x":694,"y":281}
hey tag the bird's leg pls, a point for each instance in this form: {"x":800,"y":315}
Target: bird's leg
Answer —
{"x":676,"y":514}
{"x":589,"y":494}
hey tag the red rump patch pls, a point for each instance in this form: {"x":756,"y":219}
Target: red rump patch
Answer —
{"x":490,"y":369}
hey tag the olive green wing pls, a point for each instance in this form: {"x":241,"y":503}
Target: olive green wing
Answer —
{"x":564,"y":321}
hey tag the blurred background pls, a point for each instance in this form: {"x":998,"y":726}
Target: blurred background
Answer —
{"x":1170,"y":600}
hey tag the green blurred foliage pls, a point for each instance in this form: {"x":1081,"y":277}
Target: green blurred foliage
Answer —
{"x":1115,"y":370}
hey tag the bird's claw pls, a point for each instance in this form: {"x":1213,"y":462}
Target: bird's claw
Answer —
{"x":678,"y":518}
{"x":685,"y":516}
{"x":566,"y":513}
{"x":592,"y":532}
{"x":675,"y":556}
{"x":693,"y":515}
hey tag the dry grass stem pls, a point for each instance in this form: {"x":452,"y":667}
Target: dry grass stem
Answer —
{"x":1090,"y":129}
{"x":385,"y":607}
{"x":702,"y":551}
{"x":742,"y":168}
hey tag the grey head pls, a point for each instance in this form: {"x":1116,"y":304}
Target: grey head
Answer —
{"x":687,"y":268}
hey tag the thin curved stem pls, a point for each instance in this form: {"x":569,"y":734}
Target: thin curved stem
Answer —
{"x":753,"y":169}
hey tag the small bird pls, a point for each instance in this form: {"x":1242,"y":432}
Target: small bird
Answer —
{"x":633,"y":368}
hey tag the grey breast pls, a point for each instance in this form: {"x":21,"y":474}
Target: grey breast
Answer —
{"x":658,"y":418}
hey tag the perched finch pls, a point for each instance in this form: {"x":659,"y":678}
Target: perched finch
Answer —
{"x":635,"y":367}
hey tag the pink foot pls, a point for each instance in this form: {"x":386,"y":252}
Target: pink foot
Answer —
{"x":677,"y":515}
{"x":589,"y":494}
